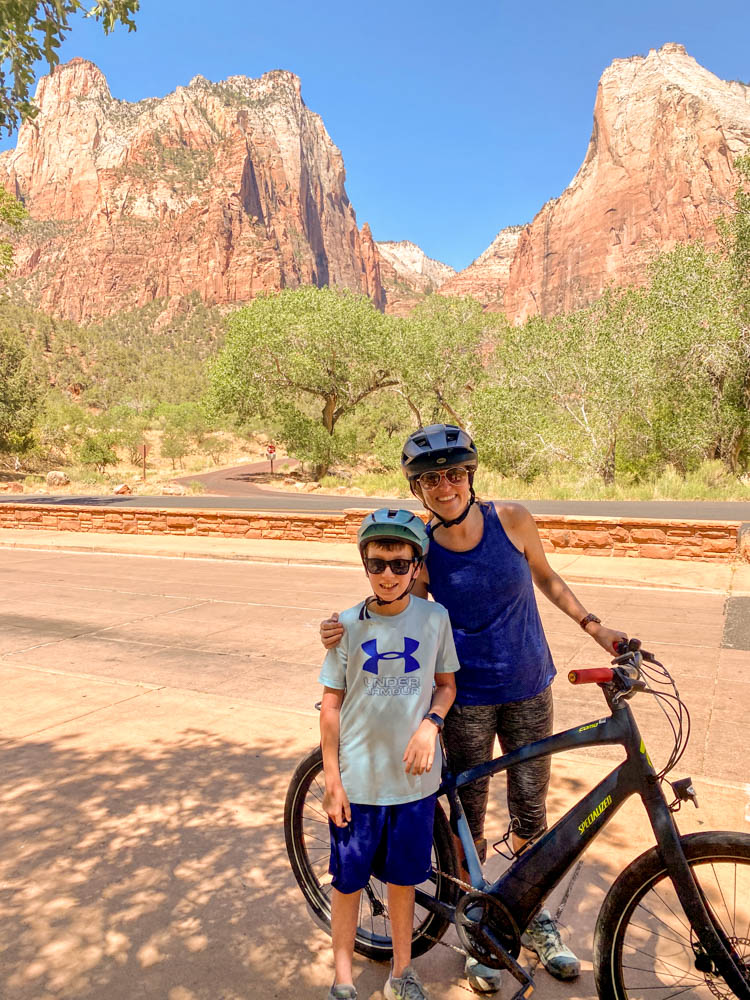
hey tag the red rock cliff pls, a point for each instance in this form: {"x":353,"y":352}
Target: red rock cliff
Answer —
{"x":226,"y":189}
{"x":658,"y":171}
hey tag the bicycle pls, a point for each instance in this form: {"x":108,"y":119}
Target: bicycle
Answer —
{"x":675,"y":921}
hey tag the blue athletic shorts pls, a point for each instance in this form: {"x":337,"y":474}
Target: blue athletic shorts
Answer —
{"x":393,"y":843}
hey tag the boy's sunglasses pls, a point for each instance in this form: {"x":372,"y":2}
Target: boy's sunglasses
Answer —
{"x":431,"y":480}
{"x":398,"y":566}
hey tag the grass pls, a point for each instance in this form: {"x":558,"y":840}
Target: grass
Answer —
{"x":708,"y":482}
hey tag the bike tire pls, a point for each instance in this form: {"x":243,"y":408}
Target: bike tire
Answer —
{"x":308,"y":846}
{"x":643,"y":941}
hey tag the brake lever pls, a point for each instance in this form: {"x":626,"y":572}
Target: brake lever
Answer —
{"x":630,"y":662}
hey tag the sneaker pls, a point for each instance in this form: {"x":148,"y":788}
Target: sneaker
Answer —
{"x":543,"y":937}
{"x":342,"y":991}
{"x":482,"y":978}
{"x":406,"y":987}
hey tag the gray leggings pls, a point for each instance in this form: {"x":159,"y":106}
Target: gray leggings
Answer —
{"x":469,"y":735}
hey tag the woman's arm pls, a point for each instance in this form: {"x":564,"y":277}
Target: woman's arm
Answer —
{"x":523,"y":532}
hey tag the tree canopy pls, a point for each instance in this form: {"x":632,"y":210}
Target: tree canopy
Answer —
{"x":301,"y":360}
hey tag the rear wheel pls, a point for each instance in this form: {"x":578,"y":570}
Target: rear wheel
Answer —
{"x":308,"y":846}
{"x":644,"y":946}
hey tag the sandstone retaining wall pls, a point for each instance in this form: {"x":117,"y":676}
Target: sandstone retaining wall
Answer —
{"x":714,"y":541}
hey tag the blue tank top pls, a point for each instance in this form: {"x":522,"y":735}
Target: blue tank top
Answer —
{"x":489,"y":594}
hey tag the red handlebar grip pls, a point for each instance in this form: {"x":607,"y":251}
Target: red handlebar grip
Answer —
{"x":593,"y":675}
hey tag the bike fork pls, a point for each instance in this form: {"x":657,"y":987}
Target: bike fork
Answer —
{"x":718,"y":951}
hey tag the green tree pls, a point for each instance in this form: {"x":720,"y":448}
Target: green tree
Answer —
{"x":175,"y":445}
{"x":699,"y":412}
{"x":438,"y":357}
{"x":215,"y":446}
{"x":60,"y":426}
{"x":300,"y":361}
{"x":20,"y":393}
{"x":31,"y":30}
{"x":12,"y":214}
{"x":564,"y":388}
{"x":98,"y":450}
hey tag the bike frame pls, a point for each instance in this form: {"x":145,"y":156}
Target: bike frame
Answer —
{"x":538,"y":869}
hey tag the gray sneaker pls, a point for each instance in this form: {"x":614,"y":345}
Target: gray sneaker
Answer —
{"x":407,"y":987}
{"x":342,"y":991}
{"x":482,"y":978}
{"x":543,"y":937}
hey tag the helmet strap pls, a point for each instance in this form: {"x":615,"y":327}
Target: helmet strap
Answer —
{"x":461,"y":516}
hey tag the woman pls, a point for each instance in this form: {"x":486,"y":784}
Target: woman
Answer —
{"x":482,"y":564}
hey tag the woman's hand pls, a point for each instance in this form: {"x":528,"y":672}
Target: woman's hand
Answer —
{"x":331,"y":631}
{"x":420,"y":750}
{"x":608,"y":638}
{"x":336,"y":805}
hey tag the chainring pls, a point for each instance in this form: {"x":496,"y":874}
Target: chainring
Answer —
{"x":478,"y":909}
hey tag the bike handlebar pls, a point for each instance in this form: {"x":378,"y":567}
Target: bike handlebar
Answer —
{"x":592,"y":675}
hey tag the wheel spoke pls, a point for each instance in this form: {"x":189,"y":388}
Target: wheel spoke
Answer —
{"x":651,"y":947}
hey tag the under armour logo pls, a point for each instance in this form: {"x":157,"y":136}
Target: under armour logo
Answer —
{"x":371,"y":648}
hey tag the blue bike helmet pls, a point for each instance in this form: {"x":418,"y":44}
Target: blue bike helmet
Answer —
{"x":395,"y":525}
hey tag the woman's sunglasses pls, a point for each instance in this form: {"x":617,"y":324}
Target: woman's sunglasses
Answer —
{"x":398,"y":566}
{"x":431,"y":480}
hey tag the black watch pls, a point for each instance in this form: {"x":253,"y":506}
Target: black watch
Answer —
{"x":436,"y":719}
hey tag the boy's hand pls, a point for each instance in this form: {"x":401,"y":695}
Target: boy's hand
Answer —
{"x":336,"y":805}
{"x":420,"y":750}
{"x":331,"y":631}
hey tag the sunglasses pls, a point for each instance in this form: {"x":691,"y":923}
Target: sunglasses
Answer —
{"x":431,"y":480}
{"x":398,"y":566}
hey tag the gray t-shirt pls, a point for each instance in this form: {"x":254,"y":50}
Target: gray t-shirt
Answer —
{"x":387,"y":666}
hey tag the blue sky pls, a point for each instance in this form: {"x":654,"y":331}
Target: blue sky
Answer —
{"x":454,"y":120}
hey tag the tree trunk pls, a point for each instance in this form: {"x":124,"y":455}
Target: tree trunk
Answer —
{"x":329,"y":420}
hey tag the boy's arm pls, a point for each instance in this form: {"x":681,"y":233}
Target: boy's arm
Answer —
{"x":420,"y":750}
{"x":335,"y":801}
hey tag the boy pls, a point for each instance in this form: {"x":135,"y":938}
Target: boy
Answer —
{"x":388,"y":686}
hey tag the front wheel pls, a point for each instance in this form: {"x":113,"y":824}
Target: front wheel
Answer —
{"x":308,"y":846}
{"x":644,"y":946}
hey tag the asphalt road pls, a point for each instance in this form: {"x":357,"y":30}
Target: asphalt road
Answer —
{"x":245,"y":487}
{"x":315,"y":502}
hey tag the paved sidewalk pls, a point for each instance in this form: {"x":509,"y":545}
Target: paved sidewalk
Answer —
{"x":154,"y":710}
{"x":719,"y":578}
{"x":143,"y":853}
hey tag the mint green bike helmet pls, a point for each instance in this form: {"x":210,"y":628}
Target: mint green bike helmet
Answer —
{"x":396,"y":525}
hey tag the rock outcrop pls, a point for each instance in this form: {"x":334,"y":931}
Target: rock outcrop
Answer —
{"x":487,"y":278}
{"x":408,"y":274}
{"x":226,"y":189}
{"x":658,"y":171}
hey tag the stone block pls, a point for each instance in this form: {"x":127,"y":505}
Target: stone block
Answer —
{"x":656,"y":552}
{"x":719,"y":545}
{"x":649,"y":535}
{"x":589,"y":539}
{"x":559,"y":538}
{"x":174,"y":521}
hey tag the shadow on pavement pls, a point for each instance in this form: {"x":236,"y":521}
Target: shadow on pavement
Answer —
{"x":159,"y":873}
{"x":162,"y":873}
